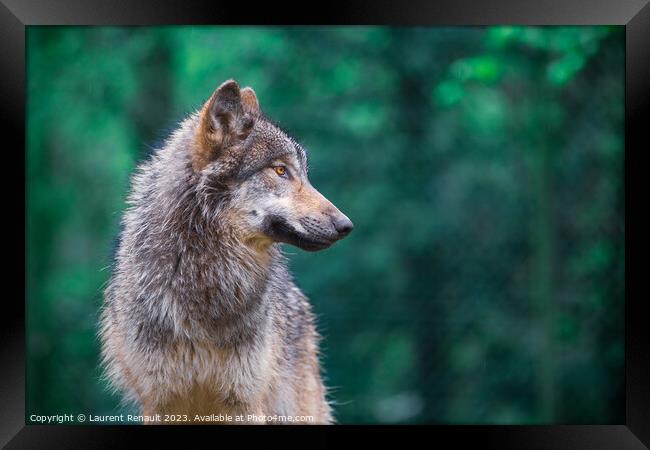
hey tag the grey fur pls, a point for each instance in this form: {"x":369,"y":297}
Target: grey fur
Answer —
{"x":201,"y":314}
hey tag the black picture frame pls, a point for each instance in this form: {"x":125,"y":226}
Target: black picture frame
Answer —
{"x":15,"y":15}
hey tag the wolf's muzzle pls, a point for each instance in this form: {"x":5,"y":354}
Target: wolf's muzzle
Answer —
{"x":342,"y":225}
{"x":318,"y":234}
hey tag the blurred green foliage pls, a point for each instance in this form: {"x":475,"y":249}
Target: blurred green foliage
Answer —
{"x":482,"y":167}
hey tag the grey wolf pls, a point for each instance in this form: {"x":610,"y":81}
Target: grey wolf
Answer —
{"x":201,"y":316}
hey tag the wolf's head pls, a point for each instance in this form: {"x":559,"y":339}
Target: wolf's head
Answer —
{"x":260,"y":174}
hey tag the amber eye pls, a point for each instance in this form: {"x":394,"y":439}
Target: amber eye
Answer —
{"x":280,"y":170}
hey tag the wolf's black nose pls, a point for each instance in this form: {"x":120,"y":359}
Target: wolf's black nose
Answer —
{"x":343,"y":225}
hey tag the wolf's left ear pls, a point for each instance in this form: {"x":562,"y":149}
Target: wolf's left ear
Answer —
{"x":227,"y":119}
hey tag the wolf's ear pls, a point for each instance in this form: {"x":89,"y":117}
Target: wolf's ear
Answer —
{"x":249,"y":101}
{"x":225,"y":120}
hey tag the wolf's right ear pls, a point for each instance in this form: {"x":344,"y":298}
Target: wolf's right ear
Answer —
{"x":249,"y":101}
{"x":226,"y":119}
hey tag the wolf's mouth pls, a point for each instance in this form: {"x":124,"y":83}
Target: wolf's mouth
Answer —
{"x":279,"y":230}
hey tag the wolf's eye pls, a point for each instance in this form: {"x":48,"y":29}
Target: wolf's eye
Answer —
{"x":280,"y":170}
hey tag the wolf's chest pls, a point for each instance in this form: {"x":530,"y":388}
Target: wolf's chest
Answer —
{"x":240,"y":373}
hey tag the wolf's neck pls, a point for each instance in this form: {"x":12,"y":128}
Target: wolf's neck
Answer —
{"x":197,"y":277}
{"x":215,"y":287}
{"x":220,"y":286}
